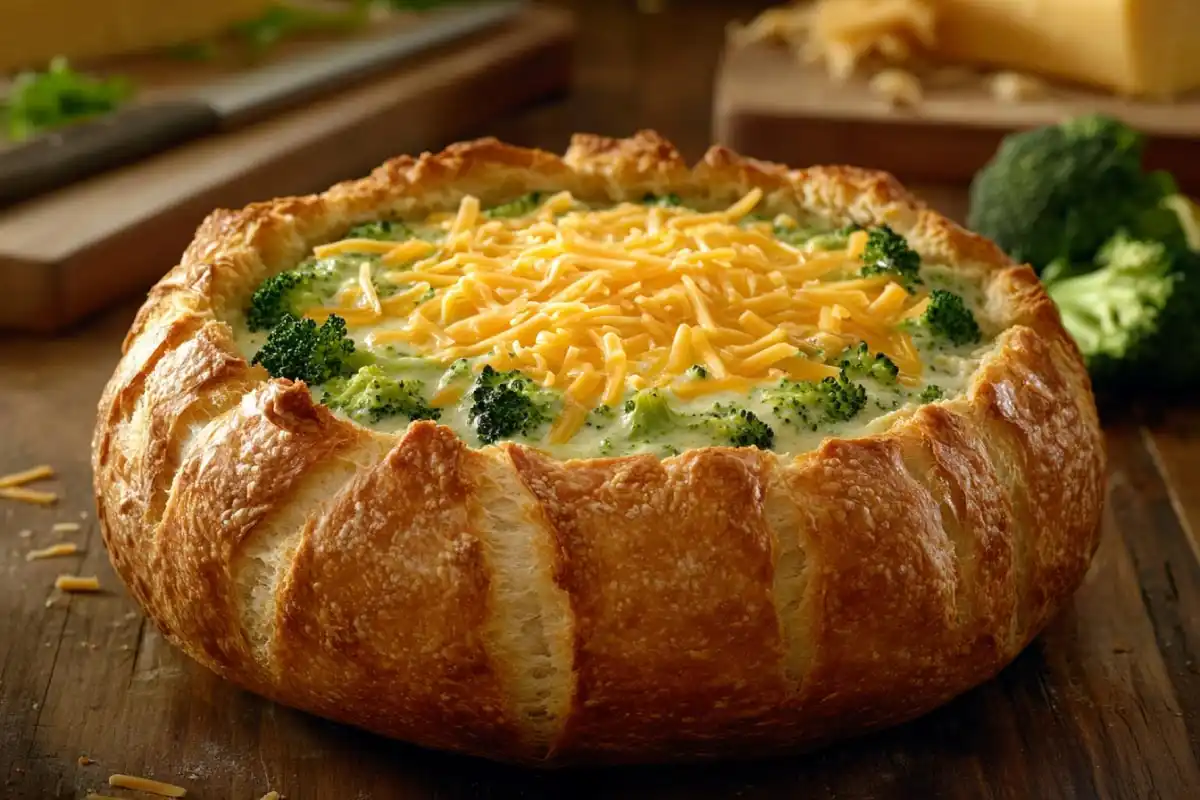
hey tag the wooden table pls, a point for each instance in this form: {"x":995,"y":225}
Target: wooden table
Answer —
{"x":1105,"y":704}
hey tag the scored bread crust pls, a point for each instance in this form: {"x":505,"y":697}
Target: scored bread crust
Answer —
{"x":500,"y":602}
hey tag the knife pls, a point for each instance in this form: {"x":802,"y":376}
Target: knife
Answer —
{"x":61,"y":157}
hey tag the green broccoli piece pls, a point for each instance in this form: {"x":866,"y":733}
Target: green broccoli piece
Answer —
{"x":370,"y":395}
{"x":947,"y":317}
{"x":520,"y":207}
{"x":931,"y":393}
{"x":811,"y":403}
{"x":859,"y":363}
{"x":1134,"y":317}
{"x":737,"y":427}
{"x":298,"y":349}
{"x":386,"y":230}
{"x":1061,"y":191}
{"x":888,"y":253}
{"x":290,"y":293}
{"x":650,"y":414}
{"x":506,"y":404}
{"x":697,"y":372}
{"x":667,"y":200}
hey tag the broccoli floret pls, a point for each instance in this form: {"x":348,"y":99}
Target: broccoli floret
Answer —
{"x":811,"y":403}
{"x":1134,"y":316}
{"x":737,"y":427}
{"x":947,"y":317}
{"x":290,"y":293}
{"x":649,"y":414}
{"x":859,"y":363}
{"x":298,"y":349}
{"x":670,"y":199}
{"x":370,"y":395}
{"x":505,"y":404}
{"x":931,"y":393}
{"x":888,"y":253}
{"x":1061,"y":192}
{"x":383,"y":230}
{"x":697,"y":372}
{"x":516,"y":208}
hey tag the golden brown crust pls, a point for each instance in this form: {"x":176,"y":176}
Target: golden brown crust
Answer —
{"x":503,"y":603}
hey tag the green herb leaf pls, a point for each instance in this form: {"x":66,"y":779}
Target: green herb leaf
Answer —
{"x":41,"y":101}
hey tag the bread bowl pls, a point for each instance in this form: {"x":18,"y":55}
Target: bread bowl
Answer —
{"x":529,"y":602}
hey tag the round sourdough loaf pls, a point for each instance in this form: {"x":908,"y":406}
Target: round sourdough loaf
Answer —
{"x":499,"y":602}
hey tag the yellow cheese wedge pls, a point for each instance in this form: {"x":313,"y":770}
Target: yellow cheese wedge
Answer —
{"x":1137,"y":47}
{"x":34,"y":31}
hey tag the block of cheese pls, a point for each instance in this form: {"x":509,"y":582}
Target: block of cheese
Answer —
{"x":34,"y":31}
{"x":1136,"y":47}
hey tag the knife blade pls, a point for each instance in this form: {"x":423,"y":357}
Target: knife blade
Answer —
{"x":64,"y":156}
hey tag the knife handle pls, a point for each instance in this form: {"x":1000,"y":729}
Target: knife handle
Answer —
{"x":58,"y":158}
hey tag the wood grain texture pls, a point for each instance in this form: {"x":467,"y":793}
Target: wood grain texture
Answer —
{"x":770,"y":105}
{"x":1106,"y":703}
{"x":70,"y":253}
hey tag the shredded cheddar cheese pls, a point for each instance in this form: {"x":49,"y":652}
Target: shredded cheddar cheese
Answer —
{"x":28,"y":495}
{"x":27,"y":476}
{"x":76,"y":583}
{"x":597,"y":302}
{"x":53,"y":551}
{"x":146,"y":785}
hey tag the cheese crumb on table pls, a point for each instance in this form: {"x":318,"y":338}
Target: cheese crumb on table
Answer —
{"x":76,"y":583}
{"x":146,"y":785}
{"x":53,"y":551}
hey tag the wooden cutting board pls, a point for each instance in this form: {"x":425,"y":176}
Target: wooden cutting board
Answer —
{"x":68,"y":254}
{"x":770,"y":105}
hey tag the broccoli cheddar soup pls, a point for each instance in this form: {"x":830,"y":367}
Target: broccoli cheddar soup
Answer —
{"x":641,"y":327}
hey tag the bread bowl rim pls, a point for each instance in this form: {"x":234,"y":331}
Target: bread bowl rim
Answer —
{"x":180,"y":371}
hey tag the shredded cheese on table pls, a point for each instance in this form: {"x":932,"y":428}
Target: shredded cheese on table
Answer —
{"x":596,"y":302}
{"x":146,"y":785}
{"x":76,"y":583}
{"x":28,"y":495}
{"x":53,"y":551}
{"x":30,"y":475}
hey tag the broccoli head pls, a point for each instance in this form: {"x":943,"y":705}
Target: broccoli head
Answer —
{"x":931,"y":393}
{"x":300,"y":350}
{"x":737,"y":427}
{"x":505,"y":404}
{"x":520,"y":207}
{"x":888,"y":253}
{"x":947,"y":317}
{"x":290,"y":293}
{"x":383,"y":230}
{"x":811,"y":403}
{"x":1061,"y":192}
{"x":1134,"y":317}
{"x":650,"y":414}
{"x":370,"y":395}
{"x":859,"y":363}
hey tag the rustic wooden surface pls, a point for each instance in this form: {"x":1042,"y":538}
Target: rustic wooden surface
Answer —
{"x":72,"y":252}
{"x":769,"y":104}
{"x":1105,"y":704}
